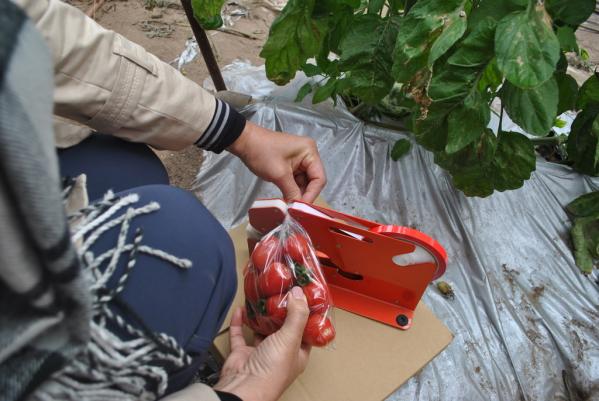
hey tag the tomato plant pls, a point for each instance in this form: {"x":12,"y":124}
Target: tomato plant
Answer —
{"x":443,"y":63}
{"x":585,"y":230}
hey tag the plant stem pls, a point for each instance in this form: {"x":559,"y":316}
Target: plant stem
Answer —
{"x":500,"y":120}
{"x":357,"y":109}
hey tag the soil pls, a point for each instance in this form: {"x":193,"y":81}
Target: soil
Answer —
{"x":161,"y":27}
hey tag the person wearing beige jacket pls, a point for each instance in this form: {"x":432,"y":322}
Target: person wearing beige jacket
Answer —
{"x":167,"y":275}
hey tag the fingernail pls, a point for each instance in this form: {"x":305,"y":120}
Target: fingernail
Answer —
{"x":297,"y":293}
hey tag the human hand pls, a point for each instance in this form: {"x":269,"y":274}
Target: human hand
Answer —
{"x":263,"y":372}
{"x":290,"y":162}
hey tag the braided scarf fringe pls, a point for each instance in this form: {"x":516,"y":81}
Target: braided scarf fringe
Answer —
{"x":109,"y":367}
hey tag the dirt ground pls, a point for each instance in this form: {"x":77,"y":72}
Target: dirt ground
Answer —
{"x":162,"y":28}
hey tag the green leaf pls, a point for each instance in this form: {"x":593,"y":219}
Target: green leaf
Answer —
{"x":584,"y":54}
{"x":583,"y":141}
{"x":589,"y":92}
{"x":339,"y":23}
{"x":526,"y":47}
{"x":451,"y":82}
{"x":477,"y":48}
{"x":294,"y":37}
{"x":522,"y":3}
{"x":411,"y":49}
{"x":514,"y":161}
{"x":453,"y":30}
{"x":430,"y":125}
{"x":311,"y":70}
{"x":585,"y":237}
{"x":467,"y":122}
{"x":559,"y":123}
{"x":532,"y":109}
{"x":567,"y":39}
{"x":366,"y":56}
{"x":490,"y":79}
{"x":562,"y":64}
{"x":207,"y":13}
{"x":491,"y":163}
{"x":585,"y":205}
{"x":401,"y":147}
{"x":572,"y":12}
{"x":303,"y":92}
{"x":396,"y":103}
{"x":568,"y":92}
{"x":324,"y":92}
{"x":375,"y":6}
{"x":429,"y":29}
{"x":471,"y":167}
{"x":493,"y":9}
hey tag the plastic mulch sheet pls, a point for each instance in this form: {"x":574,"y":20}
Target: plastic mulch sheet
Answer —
{"x":526,"y":321}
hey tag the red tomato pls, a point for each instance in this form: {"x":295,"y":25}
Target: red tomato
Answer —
{"x":253,"y":324}
{"x":265,"y":326}
{"x":317,"y":297}
{"x":319,"y":330}
{"x":265,"y":252}
{"x":297,"y":247}
{"x":274,"y":280}
{"x":259,"y":324}
{"x":250,"y":286}
{"x":276,"y":308}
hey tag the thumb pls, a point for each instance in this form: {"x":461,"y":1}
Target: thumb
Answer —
{"x":297,"y":315}
{"x":289,"y":187}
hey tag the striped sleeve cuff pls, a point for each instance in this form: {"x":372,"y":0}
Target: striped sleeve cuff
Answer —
{"x":224,"y":129}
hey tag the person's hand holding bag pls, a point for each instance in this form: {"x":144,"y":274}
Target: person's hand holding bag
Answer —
{"x":263,"y":372}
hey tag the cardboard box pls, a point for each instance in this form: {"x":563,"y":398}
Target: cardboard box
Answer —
{"x":369,"y":360}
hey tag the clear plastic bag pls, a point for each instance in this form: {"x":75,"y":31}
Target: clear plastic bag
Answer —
{"x":285,"y":258}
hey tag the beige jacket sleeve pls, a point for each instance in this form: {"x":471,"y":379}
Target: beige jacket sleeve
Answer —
{"x":114,"y":86}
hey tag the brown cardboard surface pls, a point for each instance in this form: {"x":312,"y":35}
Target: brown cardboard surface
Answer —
{"x":369,"y":360}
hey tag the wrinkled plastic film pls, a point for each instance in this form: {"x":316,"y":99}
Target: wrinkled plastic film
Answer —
{"x":524,"y":318}
{"x":282,"y":259}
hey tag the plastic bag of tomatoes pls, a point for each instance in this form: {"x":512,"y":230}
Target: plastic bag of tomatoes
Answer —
{"x":285,"y":258}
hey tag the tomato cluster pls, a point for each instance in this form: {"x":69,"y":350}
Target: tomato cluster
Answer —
{"x":276,"y":265}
